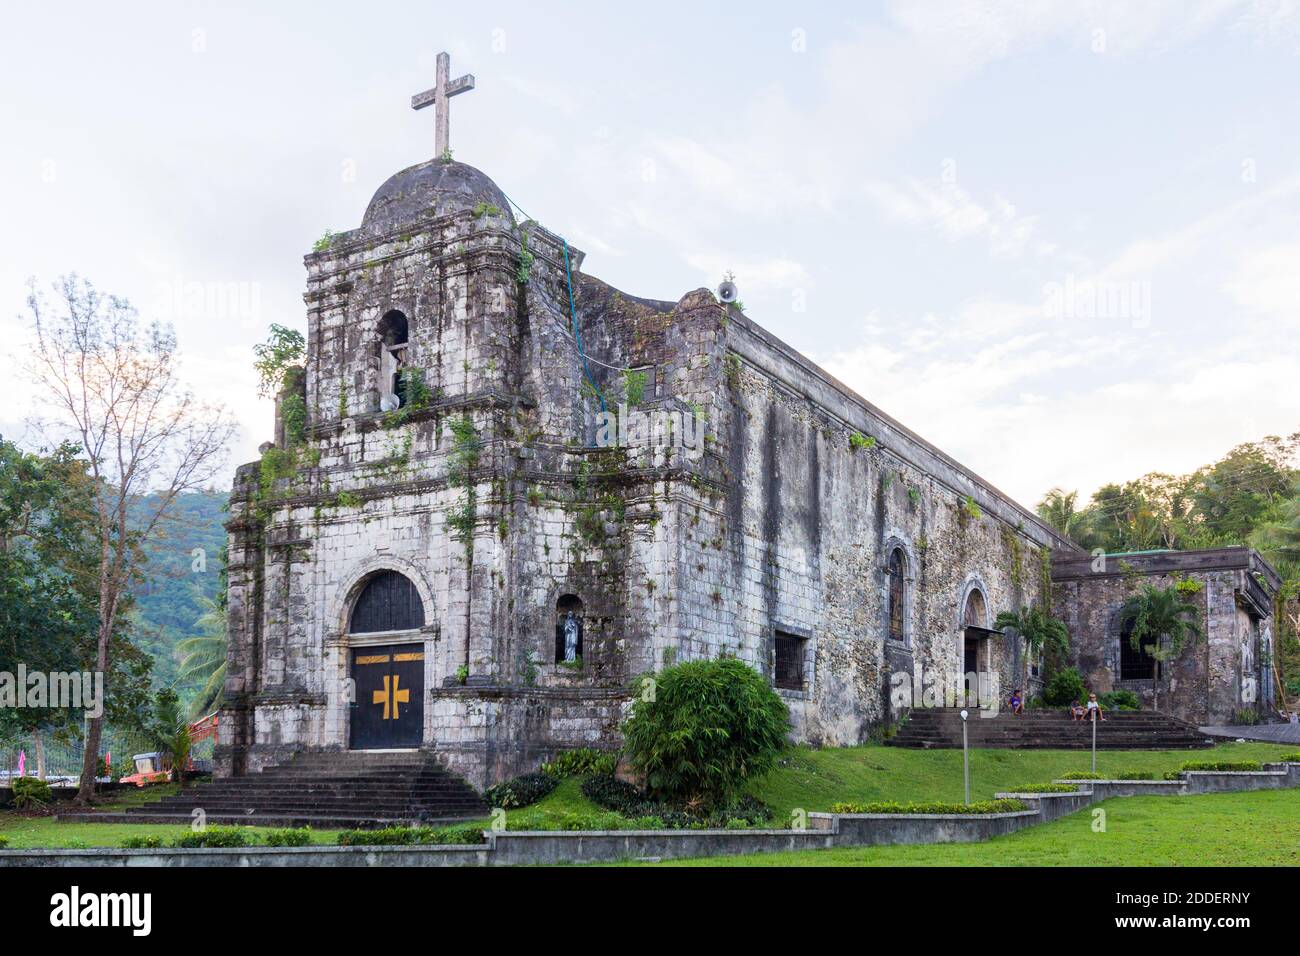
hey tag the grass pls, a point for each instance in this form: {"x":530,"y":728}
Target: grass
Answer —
{"x":1259,"y":828}
{"x":805,"y":778}
{"x":814,"y":779}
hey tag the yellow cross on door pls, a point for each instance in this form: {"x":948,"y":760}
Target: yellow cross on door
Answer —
{"x":391,"y":696}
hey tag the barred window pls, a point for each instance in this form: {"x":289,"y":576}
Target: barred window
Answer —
{"x":895,"y":568}
{"x":789,"y":660}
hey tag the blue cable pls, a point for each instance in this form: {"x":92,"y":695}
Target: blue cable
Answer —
{"x":573,"y":312}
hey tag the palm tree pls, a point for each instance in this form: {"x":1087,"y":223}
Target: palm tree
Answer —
{"x":1058,"y":509}
{"x":171,"y":732}
{"x":1038,"y":628}
{"x":203,"y":659}
{"x":1159,"y":621}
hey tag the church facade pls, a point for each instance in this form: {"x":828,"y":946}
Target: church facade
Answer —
{"x":502,"y":492}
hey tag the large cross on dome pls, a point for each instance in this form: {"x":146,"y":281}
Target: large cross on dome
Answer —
{"x":443,"y":90}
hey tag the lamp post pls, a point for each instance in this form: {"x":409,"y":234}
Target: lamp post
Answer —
{"x":965,"y":756}
{"x":1094,"y":739}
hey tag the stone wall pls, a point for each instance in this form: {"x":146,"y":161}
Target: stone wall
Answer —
{"x":1218,"y":673}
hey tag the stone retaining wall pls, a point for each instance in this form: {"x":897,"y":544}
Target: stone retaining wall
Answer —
{"x":825,"y":830}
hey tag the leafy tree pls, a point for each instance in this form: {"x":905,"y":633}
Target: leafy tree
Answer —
{"x":284,"y":348}
{"x":114,"y":388}
{"x":1159,"y":621}
{"x":707,"y":729}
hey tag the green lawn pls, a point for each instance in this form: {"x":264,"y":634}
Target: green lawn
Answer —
{"x":814,"y":779}
{"x":1261,"y":828}
{"x":806,"y":778}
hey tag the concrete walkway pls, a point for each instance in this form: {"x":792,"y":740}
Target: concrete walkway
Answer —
{"x":1269,"y":733}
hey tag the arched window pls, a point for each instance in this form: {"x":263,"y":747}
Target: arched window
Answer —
{"x":388,"y":602}
{"x":393,"y":332}
{"x":895,"y":568}
{"x":973,"y":615}
{"x":1134,"y":663}
{"x":568,"y":629}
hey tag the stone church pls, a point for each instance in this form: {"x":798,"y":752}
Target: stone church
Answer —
{"x":501,"y":491}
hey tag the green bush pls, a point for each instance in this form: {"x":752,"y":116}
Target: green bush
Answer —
{"x":1045,"y":788}
{"x":412,"y":836}
{"x":4,"y":841}
{"x":31,"y":793}
{"x":215,"y":837}
{"x":1136,"y":775}
{"x":621,"y":797}
{"x":1223,"y":765}
{"x":580,"y":762}
{"x":1120,"y":700}
{"x":142,"y":843}
{"x":1083,"y":775}
{"x":708,"y":728}
{"x":290,"y":836}
{"x":523,"y":790}
{"x":1247,"y":717}
{"x":1290,"y":758}
{"x":1005,"y":805}
{"x":1066,"y":687}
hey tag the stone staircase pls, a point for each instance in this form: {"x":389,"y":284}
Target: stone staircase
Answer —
{"x":940,"y":727}
{"x":322,"y":790}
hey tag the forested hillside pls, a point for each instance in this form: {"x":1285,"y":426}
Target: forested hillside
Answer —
{"x":184,"y":571}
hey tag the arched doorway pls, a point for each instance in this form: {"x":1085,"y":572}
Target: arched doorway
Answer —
{"x":388,"y":676}
{"x":977,"y":648}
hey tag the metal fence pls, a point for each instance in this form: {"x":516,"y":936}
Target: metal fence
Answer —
{"x":62,"y":758}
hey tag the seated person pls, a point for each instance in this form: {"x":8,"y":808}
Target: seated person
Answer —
{"x":1077,"y":711}
{"x":1017,"y":703}
{"x":1094,"y":709}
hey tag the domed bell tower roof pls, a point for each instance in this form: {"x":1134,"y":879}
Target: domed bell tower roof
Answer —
{"x":433,"y":188}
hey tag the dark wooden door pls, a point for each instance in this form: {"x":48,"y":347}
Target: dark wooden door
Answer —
{"x":389,"y":708}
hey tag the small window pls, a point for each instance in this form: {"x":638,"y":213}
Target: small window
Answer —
{"x":1134,"y":663}
{"x":568,"y":629}
{"x":393,"y":332}
{"x":896,"y":584}
{"x":789,"y":660}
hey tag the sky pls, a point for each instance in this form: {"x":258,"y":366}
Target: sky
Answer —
{"x":1061,"y":241}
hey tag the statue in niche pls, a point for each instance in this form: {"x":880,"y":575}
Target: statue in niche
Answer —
{"x":570,"y":638}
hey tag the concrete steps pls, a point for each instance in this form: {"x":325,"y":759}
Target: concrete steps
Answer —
{"x":1047,"y":730}
{"x":321,"y":790}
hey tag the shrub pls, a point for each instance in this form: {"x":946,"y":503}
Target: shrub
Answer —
{"x":1290,"y":758}
{"x":620,"y":796}
{"x":1120,"y":700}
{"x":1136,"y":775}
{"x":412,"y":836}
{"x":1045,"y":788}
{"x":521,"y":791}
{"x":1226,"y":766}
{"x":580,"y":762}
{"x":1065,"y":688}
{"x":709,"y":728}
{"x":1005,"y":805}
{"x":1083,"y":775}
{"x":215,"y":837}
{"x":142,"y":843}
{"x":4,"y":841}
{"x":1248,"y":717}
{"x":291,"y":836}
{"x":31,"y":793}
